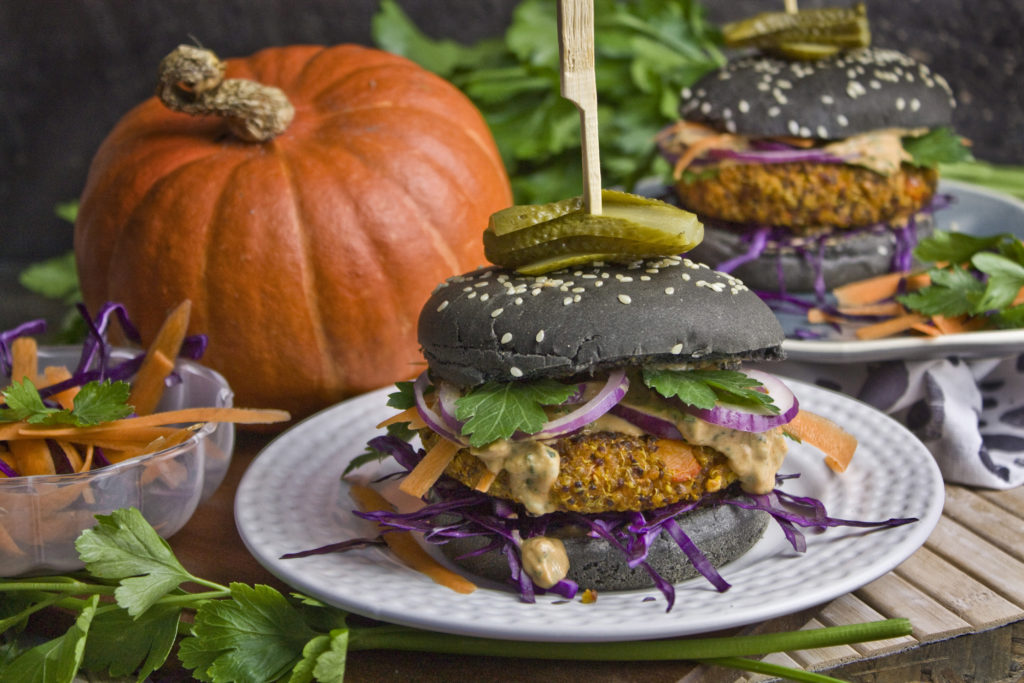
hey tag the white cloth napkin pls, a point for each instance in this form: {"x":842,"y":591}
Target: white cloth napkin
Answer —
{"x":969,"y":413}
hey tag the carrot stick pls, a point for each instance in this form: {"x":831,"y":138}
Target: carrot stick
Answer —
{"x":31,"y":457}
{"x":890,"y":308}
{"x":927,"y":328}
{"x":148,"y":386}
{"x":483,"y":484}
{"x":87,"y":460}
{"x":405,"y":547}
{"x":887,"y":328}
{"x":93,"y":434}
{"x":55,"y":374}
{"x":836,"y":443}
{"x":25,"y":360}
{"x":182,"y":416}
{"x":816,"y":316}
{"x":878,"y":288}
{"x":426,"y":472}
{"x":410,"y":415}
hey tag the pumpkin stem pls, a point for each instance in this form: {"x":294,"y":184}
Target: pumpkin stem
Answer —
{"x":192,"y":81}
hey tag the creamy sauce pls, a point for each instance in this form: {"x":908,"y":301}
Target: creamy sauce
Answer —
{"x":532,"y":469}
{"x":881,"y":151}
{"x":544,"y":560}
{"x":755,"y":457}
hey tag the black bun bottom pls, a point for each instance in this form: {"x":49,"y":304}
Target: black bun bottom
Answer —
{"x":722,"y":532}
{"x":847,"y":255}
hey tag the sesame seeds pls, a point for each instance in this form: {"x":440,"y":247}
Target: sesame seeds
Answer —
{"x":781,"y":97}
{"x":625,"y":299}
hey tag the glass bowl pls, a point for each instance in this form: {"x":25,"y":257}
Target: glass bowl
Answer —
{"x":41,"y":516}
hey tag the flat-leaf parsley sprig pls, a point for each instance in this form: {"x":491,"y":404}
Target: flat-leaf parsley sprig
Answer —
{"x":134,"y":603}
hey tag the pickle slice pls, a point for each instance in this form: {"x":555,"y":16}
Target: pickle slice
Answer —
{"x":541,"y":238}
{"x":794,"y":33}
{"x":803,"y":51}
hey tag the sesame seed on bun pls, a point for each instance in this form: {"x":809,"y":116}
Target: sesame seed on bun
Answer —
{"x":853,"y":92}
{"x":495,"y":324}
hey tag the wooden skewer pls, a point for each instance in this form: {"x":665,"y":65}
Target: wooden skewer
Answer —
{"x":576,"y":47}
{"x":791,"y":6}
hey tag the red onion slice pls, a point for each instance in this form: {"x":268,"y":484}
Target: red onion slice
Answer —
{"x":606,"y":399}
{"x":777,"y":156}
{"x":651,"y":424}
{"x":742,"y":418}
{"x":446,"y":397}
{"x":433,"y":420}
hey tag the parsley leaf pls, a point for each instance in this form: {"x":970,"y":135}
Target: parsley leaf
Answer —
{"x":23,"y":402}
{"x":58,"y":659}
{"x":954,"y":291}
{"x":944,"y":246}
{"x":95,"y":402}
{"x":257,"y":635}
{"x":1005,"y":279}
{"x":704,"y":388}
{"x":120,"y":644}
{"x":498,"y":410}
{"x":404,"y":398}
{"x":123,"y":546}
{"x":939,"y":145}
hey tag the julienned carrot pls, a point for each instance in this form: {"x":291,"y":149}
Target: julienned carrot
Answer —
{"x":816,"y":316}
{"x":887,"y":328}
{"x":878,"y":288}
{"x":427,"y":470}
{"x":54,"y":374}
{"x":927,"y":328}
{"x":410,"y":415}
{"x":483,"y":484}
{"x":148,"y":386}
{"x":31,"y":457}
{"x":107,"y":433}
{"x":836,"y":443}
{"x":24,"y":360}
{"x":405,"y":547}
{"x":880,"y":308}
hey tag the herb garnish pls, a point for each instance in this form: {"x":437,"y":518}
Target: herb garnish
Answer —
{"x":95,"y":402}
{"x":255,"y":633}
{"x":498,"y":410}
{"x":973,"y":276}
{"x":704,"y":388}
{"x":937,"y":146}
{"x":646,"y":52}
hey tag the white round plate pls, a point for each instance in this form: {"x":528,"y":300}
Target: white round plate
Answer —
{"x":291,"y":498}
{"x":976,"y":211}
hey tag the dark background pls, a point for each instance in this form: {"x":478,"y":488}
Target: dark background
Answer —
{"x":69,"y":69}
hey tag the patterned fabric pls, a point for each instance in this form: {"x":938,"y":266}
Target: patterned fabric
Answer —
{"x":969,"y":413}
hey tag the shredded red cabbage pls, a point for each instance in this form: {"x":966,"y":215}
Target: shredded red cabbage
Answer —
{"x":6,"y":470}
{"x":95,"y":363}
{"x":460,"y":512}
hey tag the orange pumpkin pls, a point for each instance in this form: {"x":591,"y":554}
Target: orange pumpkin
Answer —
{"x":307,"y":257}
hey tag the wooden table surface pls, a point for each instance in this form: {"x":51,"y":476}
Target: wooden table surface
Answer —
{"x":963,"y":592}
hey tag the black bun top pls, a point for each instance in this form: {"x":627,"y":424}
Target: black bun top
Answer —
{"x":495,"y":324}
{"x":853,"y":92}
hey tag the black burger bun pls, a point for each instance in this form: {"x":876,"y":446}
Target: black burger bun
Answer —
{"x":842,"y":257}
{"x":496,"y":324}
{"x":722,"y":532}
{"x":853,"y":92}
